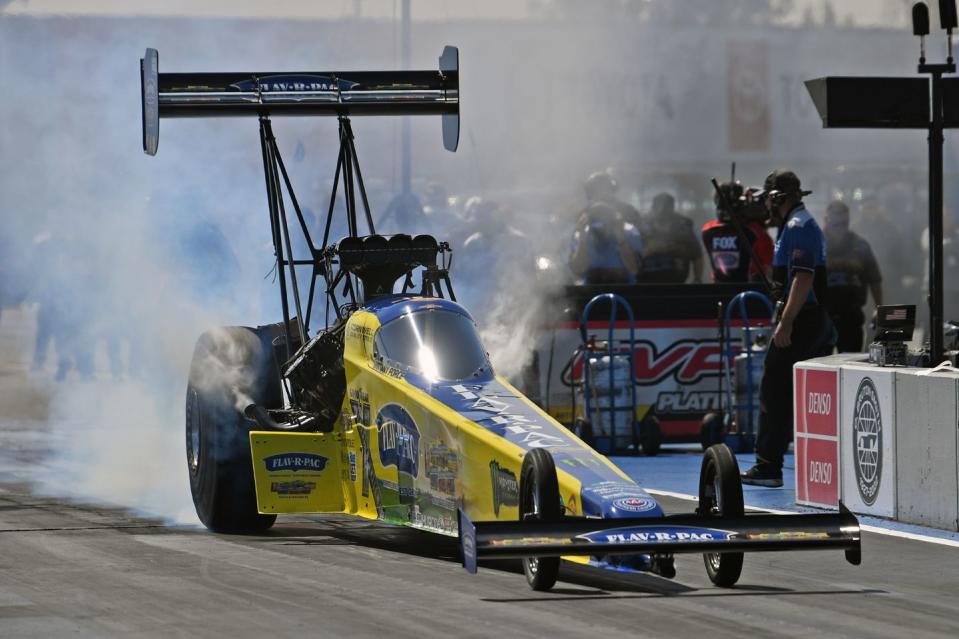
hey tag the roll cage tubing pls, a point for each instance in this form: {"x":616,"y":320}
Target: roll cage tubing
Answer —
{"x":314,"y":93}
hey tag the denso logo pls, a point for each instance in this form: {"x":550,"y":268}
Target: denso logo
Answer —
{"x":820,"y":472}
{"x":819,"y":404}
{"x":687,"y":360}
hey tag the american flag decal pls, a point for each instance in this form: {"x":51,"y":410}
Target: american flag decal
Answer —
{"x":896,"y":314}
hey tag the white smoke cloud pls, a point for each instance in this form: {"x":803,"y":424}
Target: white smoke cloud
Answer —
{"x":130,"y":242}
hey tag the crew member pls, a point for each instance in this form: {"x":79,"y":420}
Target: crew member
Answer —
{"x":729,"y":257}
{"x":852,"y":269}
{"x":605,"y":249}
{"x":671,"y":245}
{"x":601,"y":188}
{"x":804,"y":329}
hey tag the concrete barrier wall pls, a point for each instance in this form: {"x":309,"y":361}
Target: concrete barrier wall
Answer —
{"x":885,"y":441}
{"x":926,"y":469}
{"x":868,"y":439}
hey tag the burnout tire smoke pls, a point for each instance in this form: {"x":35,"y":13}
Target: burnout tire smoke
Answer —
{"x":232,"y":367}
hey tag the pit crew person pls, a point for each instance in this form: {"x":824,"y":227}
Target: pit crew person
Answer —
{"x":729,"y":259}
{"x":804,"y":329}
{"x":671,"y":245}
{"x":605,"y":249}
{"x":852,"y":270}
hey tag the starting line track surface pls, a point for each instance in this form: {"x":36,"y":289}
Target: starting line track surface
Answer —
{"x":676,"y":474}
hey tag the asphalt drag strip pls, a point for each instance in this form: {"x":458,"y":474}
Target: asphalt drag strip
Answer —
{"x":69,"y":569}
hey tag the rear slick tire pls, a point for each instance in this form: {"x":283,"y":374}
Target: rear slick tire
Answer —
{"x":539,"y":499}
{"x":721,"y":494}
{"x":229,"y":363}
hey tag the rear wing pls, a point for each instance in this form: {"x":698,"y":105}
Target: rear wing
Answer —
{"x":307,"y":93}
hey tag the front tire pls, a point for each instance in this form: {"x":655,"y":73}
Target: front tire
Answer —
{"x":721,"y":494}
{"x":711,"y":430}
{"x":231,"y":366}
{"x":539,"y":499}
{"x":650,"y":436}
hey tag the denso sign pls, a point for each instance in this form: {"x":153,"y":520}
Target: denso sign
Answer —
{"x":816,"y":406}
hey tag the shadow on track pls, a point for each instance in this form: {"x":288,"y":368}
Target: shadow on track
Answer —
{"x":588,"y":582}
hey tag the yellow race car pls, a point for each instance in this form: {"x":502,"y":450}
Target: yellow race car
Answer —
{"x":392,"y":410}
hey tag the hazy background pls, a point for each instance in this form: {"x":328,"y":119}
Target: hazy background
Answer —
{"x":138,"y":254}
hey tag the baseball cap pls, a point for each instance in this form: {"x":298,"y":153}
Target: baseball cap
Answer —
{"x":785,"y":182}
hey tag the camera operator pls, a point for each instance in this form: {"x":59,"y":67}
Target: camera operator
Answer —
{"x":730,"y":259}
{"x":605,"y":249}
{"x":804,"y":329}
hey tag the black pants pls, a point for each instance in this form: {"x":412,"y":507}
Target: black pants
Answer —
{"x":849,"y":324}
{"x":812,"y":336}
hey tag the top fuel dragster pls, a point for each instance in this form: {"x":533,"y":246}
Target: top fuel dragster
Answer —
{"x":392,"y":411}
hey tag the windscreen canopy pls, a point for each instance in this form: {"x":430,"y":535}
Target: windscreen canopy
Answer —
{"x":438,"y":344}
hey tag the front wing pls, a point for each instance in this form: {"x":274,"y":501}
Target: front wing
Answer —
{"x":647,"y":535}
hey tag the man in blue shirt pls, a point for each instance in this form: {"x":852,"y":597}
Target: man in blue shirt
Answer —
{"x":804,"y":329}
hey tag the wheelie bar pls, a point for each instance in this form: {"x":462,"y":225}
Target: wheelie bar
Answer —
{"x":692,"y":533}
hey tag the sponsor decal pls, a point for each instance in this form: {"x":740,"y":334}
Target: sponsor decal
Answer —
{"x":635,"y":504}
{"x":398,"y":439}
{"x":408,"y":492}
{"x":360,"y":405}
{"x":600,"y":496}
{"x":532,"y":541}
{"x":295,"y":462}
{"x":505,"y":487}
{"x":352,"y":465}
{"x":867,"y":441}
{"x":820,"y":472}
{"x":356,"y":331}
{"x":656,"y":534}
{"x":685,"y":360}
{"x":692,"y":402}
{"x":469,"y":546}
{"x":819,"y":403}
{"x":725,"y":261}
{"x":443,"y":523}
{"x":292,"y":82}
{"x":298,"y":487}
{"x":725,"y":243}
{"x":612,"y":489}
{"x":511,"y":419}
{"x":786,"y":534}
{"x":442,"y":465}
